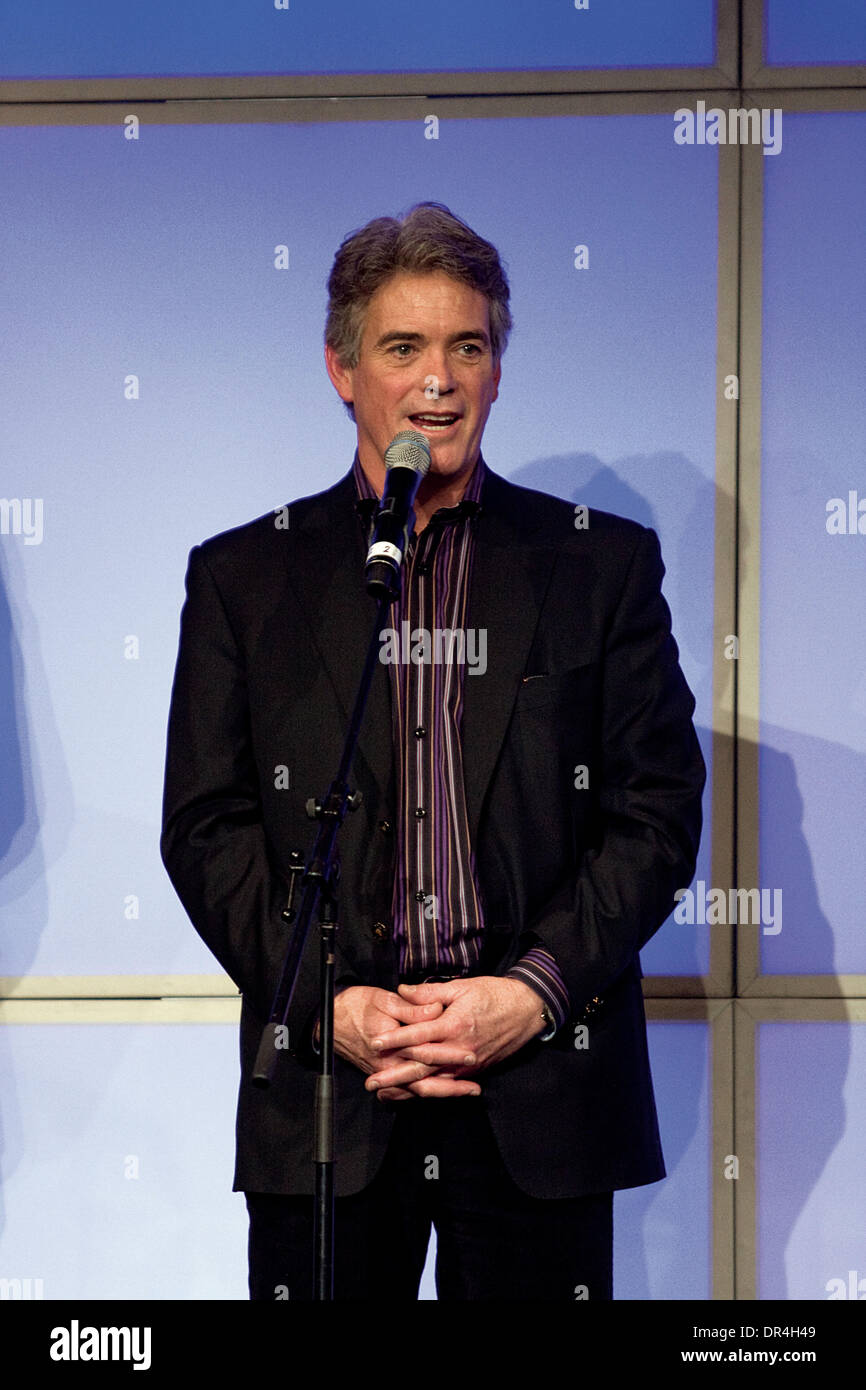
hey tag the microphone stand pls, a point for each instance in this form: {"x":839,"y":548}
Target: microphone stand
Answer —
{"x":319,"y":880}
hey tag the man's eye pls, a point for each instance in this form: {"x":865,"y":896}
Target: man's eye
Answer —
{"x":399,"y":346}
{"x":473,"y":348}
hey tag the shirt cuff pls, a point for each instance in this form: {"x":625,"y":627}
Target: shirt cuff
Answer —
{"x":539,"y":969}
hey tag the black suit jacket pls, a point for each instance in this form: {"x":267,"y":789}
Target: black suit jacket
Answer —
{"x":582,"y":669}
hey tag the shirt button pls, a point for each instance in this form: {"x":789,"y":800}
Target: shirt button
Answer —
{"x":385,"y":827}
{"x":420,"y":895}
{"x":381,"y":931}
{"x":420,"y":813}
{"x":420,"y":732}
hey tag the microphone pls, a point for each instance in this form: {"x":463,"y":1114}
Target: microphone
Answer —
{"x":407,"y":459}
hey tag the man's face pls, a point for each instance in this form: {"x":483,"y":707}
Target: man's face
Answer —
{"x":425,"y":351}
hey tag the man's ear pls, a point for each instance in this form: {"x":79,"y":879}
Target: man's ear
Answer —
{"x":497,"y":377}
{"x":341,"y":377}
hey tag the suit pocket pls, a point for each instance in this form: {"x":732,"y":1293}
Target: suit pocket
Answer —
{"x":551,"y":688}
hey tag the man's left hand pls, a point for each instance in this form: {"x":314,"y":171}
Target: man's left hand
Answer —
{"x":489,"y":1015}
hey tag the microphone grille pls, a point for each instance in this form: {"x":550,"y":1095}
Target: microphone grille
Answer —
{"x":408,"y":449}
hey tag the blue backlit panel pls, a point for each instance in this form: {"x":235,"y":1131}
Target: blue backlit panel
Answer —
{"x":118,"y":1158}
{"x":662,"y":1232}
{"x":212,"y":38}
{"x":811,"y":1153}
{"x":813,"y":548}
{"x":833,"y":31}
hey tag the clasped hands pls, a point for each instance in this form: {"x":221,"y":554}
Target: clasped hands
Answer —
{"x":431,"y":1040}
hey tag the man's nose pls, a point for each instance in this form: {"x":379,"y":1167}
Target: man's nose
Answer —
{"x":438,"y":375}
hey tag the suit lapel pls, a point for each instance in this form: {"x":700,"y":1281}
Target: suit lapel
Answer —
{"x":327,"y":573}
{"x":510,"y":574}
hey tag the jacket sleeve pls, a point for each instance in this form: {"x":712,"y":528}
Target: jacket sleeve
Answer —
{"x":214,"y":844}
{"x":650,"y":778}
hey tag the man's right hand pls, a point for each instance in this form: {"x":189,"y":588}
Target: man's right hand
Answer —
{"x":363,"y":1012}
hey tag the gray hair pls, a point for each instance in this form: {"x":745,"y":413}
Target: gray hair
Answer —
{"x":427,"y":238}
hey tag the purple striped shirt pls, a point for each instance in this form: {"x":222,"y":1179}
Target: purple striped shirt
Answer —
{"x":437,"y":907}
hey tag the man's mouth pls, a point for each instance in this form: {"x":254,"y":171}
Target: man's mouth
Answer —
{"x":435,"y":422}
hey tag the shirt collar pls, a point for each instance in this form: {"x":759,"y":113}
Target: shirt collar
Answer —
{"x":367,"y":500}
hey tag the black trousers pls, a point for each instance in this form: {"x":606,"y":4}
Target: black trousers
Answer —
{"x":493,"y":1241}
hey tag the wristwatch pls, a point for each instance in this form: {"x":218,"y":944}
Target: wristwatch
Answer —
{"x":549,"y":1023}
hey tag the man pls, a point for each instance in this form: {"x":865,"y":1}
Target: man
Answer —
{"x":531,"y":803}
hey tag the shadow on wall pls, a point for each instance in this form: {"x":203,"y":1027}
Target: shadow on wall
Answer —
{"x":653,"y":1222}
{"x":23,"y":890}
